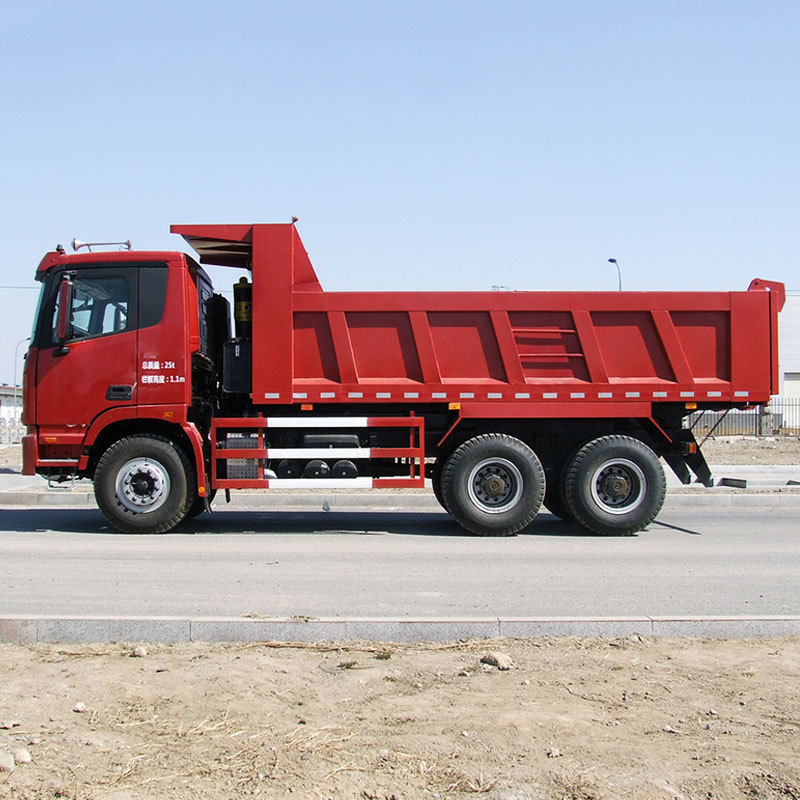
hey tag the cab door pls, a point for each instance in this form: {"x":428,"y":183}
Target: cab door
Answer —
{"x":95,"y":369}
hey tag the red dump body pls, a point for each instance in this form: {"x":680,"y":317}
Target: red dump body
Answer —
{"x":497,"y":354}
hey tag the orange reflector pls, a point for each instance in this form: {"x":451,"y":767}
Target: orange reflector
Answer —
{"x":690,"y":406}
{"x":201,"y":490}
{"x":169,"y":414}
{"x":454,"y":406}
{"x":50,"y":440}
{"x":692,"y":448}
{"x":307,"y":407}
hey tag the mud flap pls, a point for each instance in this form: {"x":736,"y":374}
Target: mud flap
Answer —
{"x":688,"y":457}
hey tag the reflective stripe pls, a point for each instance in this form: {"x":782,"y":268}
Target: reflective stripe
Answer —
{"x":316,"y":422}
{"x":329,"y":453}
{"x":320,"y":483}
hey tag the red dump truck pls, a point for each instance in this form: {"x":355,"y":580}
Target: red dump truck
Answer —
{"x":505,"y":400}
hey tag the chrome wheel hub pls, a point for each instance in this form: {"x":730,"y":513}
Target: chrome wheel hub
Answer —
{"x":494,"y":485}
{"x":142,"y":485}
{"x":618,"y":486}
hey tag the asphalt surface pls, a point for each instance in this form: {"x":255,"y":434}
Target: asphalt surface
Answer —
{"x":392,"y":565}
{"x":693,"y":560}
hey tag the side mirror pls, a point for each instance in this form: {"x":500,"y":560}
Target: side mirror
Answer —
{"x":63,"y":326}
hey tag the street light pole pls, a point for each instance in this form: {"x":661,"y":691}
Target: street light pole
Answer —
{"x":619,"y":271}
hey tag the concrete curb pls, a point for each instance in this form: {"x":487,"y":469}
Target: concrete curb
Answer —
{"x":392,"y":501}
{"x":52,"y":629}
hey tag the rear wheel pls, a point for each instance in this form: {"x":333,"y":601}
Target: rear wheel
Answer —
{"x":493,"y":485}
{"x":555,"y":504}
{"x":436,"y":483}
{"x":144,"y":484}
{"x":614,"y":486}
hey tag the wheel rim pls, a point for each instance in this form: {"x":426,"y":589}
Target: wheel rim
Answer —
{"x":495,"y":485}
{"x":142,"y":485}
{"x":618,"y":486}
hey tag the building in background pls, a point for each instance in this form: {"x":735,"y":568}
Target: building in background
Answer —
{"x":788,"y":405}
{"x":789,"y":343}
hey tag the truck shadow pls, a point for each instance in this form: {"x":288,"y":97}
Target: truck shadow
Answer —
{"x":300,"y":523}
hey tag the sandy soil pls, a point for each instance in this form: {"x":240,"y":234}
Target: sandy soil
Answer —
{"x":752,"y":450}
{"x":635,"y":718}
{"x":10,"y":458}
{"x":572,"y":719}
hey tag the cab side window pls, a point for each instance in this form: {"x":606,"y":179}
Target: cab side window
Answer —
{"x":99,"y":307}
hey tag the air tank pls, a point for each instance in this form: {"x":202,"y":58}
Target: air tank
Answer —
{"x":243,"y":308}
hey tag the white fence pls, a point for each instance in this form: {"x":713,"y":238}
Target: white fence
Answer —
{"x":11,"y":431}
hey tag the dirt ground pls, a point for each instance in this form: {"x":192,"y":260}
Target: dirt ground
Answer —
{"x":752,"y":450}
{"x":573,"y":719}
{"x":10,"y":458}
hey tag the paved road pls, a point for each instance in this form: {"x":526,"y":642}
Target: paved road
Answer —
{"x":693,"y":560}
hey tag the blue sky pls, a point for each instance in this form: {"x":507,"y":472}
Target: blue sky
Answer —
{"x":430,"y":145}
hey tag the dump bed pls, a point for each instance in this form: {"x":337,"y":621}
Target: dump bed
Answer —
{"x":497,"y":354}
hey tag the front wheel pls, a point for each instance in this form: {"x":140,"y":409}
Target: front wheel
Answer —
{"x":493,"y":485}
{"x":144,"y":484}
{"x":614,"y":486}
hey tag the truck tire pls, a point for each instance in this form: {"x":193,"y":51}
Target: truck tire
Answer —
{"x":144,"y":484}
{"x":436,"y":483}
{"x":493,"y":485}
{"x":614,"y":486}
{"x":554,"y":502}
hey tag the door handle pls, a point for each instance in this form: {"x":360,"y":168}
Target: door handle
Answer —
{"x":119,"y":392}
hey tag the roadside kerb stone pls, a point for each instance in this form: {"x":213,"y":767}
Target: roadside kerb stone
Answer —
{"x":725,"y":627}
{"x":422,"y":630}
{"x":113,"y":629}
{"x":520,"y":628}
{"x":293,"y":629}
{"x":31,"y":629}
{"x":18,"y":630}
